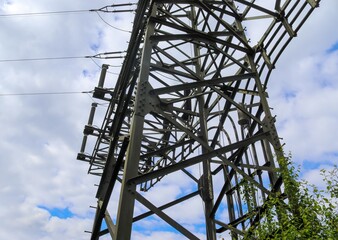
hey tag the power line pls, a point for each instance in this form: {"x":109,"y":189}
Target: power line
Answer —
{"x":120,"y":29}
{"x":106,"y":9}
{"x":38,"y":59}
{"x":42,"y":13}
{"x":105,"y":55}
{"x":41,"y":93}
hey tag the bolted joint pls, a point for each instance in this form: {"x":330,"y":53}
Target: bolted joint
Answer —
{"x":204,"y":190}
{"x":146,"y":101}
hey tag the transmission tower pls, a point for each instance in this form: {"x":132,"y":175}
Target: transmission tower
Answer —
{"x":191,"y":103}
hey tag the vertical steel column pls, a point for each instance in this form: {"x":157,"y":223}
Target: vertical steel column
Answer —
{"x":127,"y":196}
{"x":206,"y":179}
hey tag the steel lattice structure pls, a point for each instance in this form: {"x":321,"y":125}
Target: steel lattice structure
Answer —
{"x":191,"y":100}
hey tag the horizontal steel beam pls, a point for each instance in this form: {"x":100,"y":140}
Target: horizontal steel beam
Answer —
{"x":192,"y":161}
{"x":205,"y":83}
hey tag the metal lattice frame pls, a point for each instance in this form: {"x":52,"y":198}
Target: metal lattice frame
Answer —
{"x":192,"y":93}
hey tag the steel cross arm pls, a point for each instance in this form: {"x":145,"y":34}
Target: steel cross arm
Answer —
{"x":202,"y":35}
{"x":122,"y":82}
{"x":165,"y":206}
{"x":164,"y":216}
{"x":205,"y":83}
{"x":194,"y":160}
{"x":130,"y":59}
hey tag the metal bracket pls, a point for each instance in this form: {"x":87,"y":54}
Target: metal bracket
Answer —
{"x":146,"y":100}
{"x":269,"y":126}
{"x":313,"y":3}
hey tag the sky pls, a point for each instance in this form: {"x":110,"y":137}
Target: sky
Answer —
{"x":45,"y":193}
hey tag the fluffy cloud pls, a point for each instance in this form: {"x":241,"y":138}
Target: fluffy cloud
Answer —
{"x":42,"y":134}
{"x":45,"y":192}
{"x":303,"y":89}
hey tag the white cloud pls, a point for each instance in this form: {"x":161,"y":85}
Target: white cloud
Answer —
{"x":306,"y":107}
{"x":159,"y":235}
{"x":42,"y":134}
{"x":316,"y":177}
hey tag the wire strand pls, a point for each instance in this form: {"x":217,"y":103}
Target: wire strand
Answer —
{"x":120,"y":29}
{"x":104,"y":9}
{"x":113,"y":73}
{"x":42,"y":93}
{"x":106,"y":55}
{"x":42,"y":13}
{"x":39,"y":59}
{"x":66,"y":12}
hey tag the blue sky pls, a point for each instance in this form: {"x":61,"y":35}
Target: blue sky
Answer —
{"x":46,"y":191}
{"x":333,"y":48}
{"x":62,"y":213}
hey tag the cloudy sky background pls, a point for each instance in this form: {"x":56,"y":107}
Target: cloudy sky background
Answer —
{"x":44,"y":192}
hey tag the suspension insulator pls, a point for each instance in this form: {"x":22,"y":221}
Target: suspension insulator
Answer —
{"x":103,"y":75}
{"x":243,"y":119}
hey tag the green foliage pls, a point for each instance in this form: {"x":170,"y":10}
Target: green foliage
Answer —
{"x":306,"y":213}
